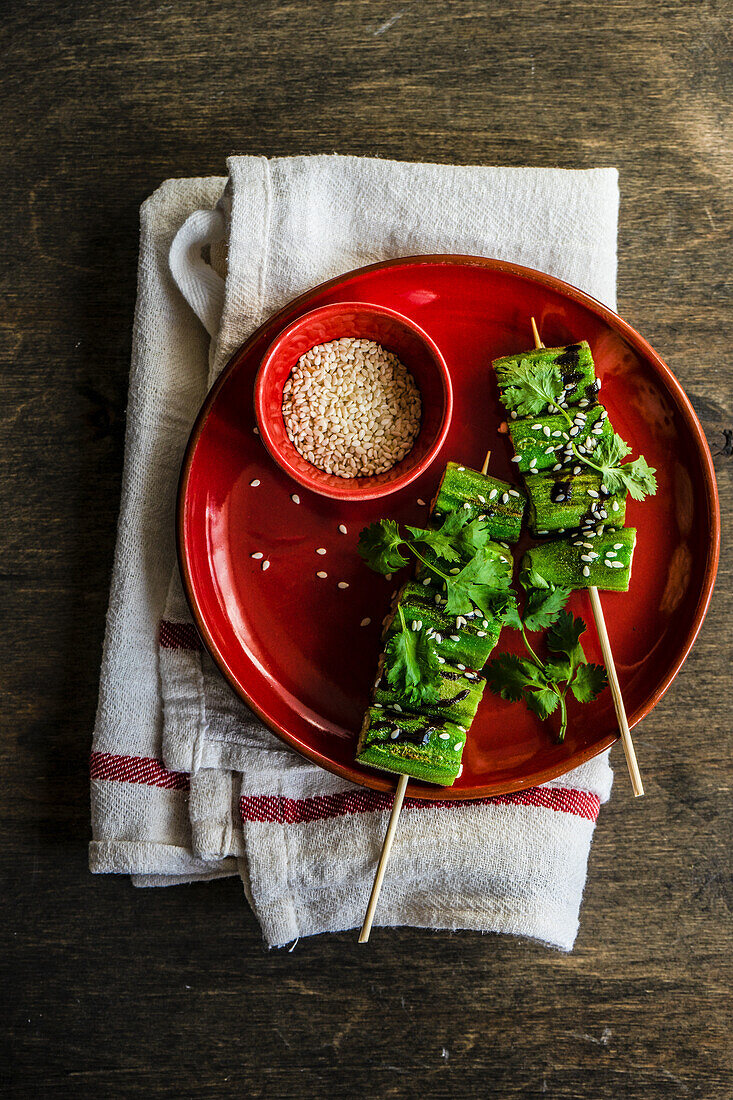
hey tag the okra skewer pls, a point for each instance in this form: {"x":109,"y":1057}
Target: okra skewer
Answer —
{"x":618,"y":702}
{"x":398,"y":801}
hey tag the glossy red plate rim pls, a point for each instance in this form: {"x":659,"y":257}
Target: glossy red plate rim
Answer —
{"x":380,"y":781}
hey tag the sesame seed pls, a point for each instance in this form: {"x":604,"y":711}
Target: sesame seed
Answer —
{"x":584,"y":403}
{"x":397,"y":707}
{"x":467,"y":505}
{"x":610,"y":553}
{"x":443,"y":736}
{"x":343,"y":584}
{"x":321,"y":550}
{"x":255,"y":483}
{"x":265,"y":565}
{"x":556,"y":467}
{"x":493,"y":493}
{"x":394,"y":734}
{"x":351,"y":408}
{"x":343,"y":528}
{"x":257,"y":556}
{"x":618,"y":545}
{"x":536,"y":427}
{"x":421,"y":502}
{"x":322,"y":575}
{"x":517,"y":458}
{"x":462,"y":667}
{"x":533,"y":463}
{"x":454,"y":637}
{"x":365,"y":622}
{"x":557,"y":435}
{"x":576,"y":470}
{"x":592,"y":493}
{"x":482,"y":499}
{"x":615,"y":506}
{"x":574,"y":432}
{"x":586,"y":571}
{"x":513,"y":493}
{"x":295,"y":498}
{"x":546,"y":430}
{"x":617,"y":565}
{"x":458,"y":746}
{"x":455,"y":570}
{"x":461,"y":469}
{"x":441,"y":660}
{"x":505,"y":498}
{"x":256,"y":431}
{"x":480,"y":633}
{"x":513,"y":415}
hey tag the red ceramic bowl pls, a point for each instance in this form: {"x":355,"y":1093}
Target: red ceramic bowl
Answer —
{"x":365,"y":322}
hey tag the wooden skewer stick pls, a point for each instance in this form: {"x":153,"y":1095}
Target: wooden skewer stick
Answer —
{"x":618,"y":701}
{"x":382,"y":865}
{"x":391,"y":829}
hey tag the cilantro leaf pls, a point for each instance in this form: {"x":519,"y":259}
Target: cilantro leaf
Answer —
{"x":412,"y":666}
{"x":542,"y":701}
{"x":543,"y":606}
{"x":477,"y":584}
{"x":508,"y":675}
{"x":530,"y":387}
{"x":636,"y":477}
{"x":564,"y":637}
{"x":588,"y":682}
{"x":445,"y":541}
{"x":474,"y":536}
{"x":639,"y":478}
{"x":380,"y":546}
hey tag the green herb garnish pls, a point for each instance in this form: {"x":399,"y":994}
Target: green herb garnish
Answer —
{"x":543,"y":685}
{"x":413,"y":668}
{"x":481,"y":582}
{"x":530,"y":389}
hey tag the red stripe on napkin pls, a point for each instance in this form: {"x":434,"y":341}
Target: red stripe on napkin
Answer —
{"x":293,"y":811}
{"x":136,"y":769}
{"x":178,"y":635}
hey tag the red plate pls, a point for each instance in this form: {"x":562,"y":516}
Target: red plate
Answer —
{"x":291,"y":644}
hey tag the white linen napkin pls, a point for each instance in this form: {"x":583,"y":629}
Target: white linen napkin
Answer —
{"x":186,"y":782}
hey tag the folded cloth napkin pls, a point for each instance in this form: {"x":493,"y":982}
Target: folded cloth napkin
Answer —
{"x":187,"y":784}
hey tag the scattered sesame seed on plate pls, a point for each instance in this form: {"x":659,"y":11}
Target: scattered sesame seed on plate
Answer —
{"x":256,"y":431}
{"x":343,"y":584}
{"x":321,"y":550}
{"x":421,"y":502}
{"x":255,"y":483}
{"x":343,"y":528}
{"x":295,"y":498}
{"x":257,"y":556}
{"x":322,"y":575}
{"x":265,"y":565}
{"x":365,"y":622}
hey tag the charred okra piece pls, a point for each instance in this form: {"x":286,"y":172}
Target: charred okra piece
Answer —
{"x":458,"y":697}
{"x":543,"y":442}
{"x":602,"y":562}
{"x":501,"y":505}
{"x":563,"y":501}
{"x":574,"y":361}
{"x":425,"y":747}
{"x":459,"y":640}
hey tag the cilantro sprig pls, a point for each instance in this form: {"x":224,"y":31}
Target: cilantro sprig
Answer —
{"x":480,"y":580}
{"x":529,"y":389}
{"x":543,"y":685}
{"x":413,"y":668}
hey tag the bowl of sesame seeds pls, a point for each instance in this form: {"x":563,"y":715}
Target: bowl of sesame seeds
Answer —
{"x":353,"y":401}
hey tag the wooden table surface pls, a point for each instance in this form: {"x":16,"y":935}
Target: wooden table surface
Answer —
{"x":109,"y":991}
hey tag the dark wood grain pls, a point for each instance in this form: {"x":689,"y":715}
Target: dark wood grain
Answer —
{"x":112,"y":992}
